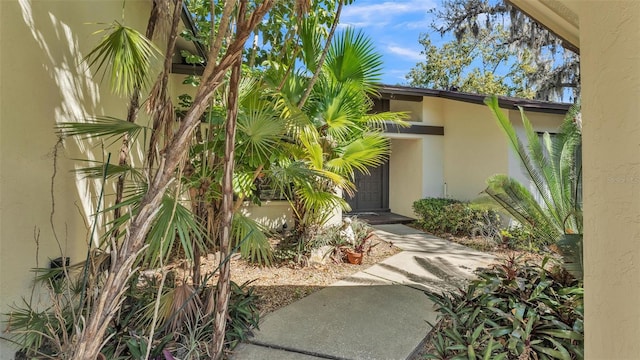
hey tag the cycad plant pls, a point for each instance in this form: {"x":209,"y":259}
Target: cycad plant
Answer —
{"x":552,"y":206}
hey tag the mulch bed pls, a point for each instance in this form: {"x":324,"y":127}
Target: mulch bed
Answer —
{"x":281,"y":284}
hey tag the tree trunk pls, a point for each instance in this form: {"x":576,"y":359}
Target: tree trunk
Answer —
{"x":132,"y":114}
{"x":90,"y":339}
{"x":223,"y":288}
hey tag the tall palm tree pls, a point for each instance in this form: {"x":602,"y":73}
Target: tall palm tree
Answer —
{"x":552,"y":209}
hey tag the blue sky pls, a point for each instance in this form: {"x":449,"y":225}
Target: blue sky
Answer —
{"x":394,"y":27}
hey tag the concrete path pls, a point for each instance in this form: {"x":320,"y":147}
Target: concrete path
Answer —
{"x":379,"y":313}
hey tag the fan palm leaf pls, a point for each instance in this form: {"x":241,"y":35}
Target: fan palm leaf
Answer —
{"x":368,"y":151}
{"x":112,"y":171}
{"x":173,"y":220}
{"x":352,"y":57}
{"x":126,"y":55}
{"x":106,"y":127}
{"x":259,"y":134}
{"x":251,"y":238}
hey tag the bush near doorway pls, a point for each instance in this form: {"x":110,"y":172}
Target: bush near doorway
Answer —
{"x":448,"y":216}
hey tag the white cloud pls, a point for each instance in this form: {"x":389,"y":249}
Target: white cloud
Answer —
{"x":395,"y":77}
{"x":372,"y":13}
{"x":407,"y":53}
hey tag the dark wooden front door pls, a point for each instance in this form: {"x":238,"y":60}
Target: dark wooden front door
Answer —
{"x":372,"y":191}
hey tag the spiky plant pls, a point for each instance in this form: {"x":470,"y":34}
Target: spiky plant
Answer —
{"x":552,"y":206}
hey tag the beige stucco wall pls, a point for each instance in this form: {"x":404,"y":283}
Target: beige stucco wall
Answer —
{"x":541,"y":122}
{"x":433,"y":111}
{"x":271,"y":214}
{"x":474,"y":149}
{"x":610,"y":71}
{"x":43,"y":80}
{"x":405,"y":174}
{"x":414,"y":109}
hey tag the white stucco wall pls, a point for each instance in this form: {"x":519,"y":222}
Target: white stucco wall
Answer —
{"x":43,"y":80}
{"x":405,"y":174}
{"x":542,"y":122}
{"x":433,"y":111}
{"x":474,"y":149}
{"x":415,"y":170}
{"x":271,"y":214}
{"x":413,"y":107}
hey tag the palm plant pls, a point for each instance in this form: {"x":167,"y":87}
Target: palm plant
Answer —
{"x":553,"y":165}
{"x":334,"y":134}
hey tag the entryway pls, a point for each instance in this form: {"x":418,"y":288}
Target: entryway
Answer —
{"x":371,"y":200}
{"x":372,"y":191}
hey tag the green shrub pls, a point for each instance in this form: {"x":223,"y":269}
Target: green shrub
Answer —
{"x":513,"y":311}
{"x":41,"y":334}
{"x":439,"y":216}
{"x":521,"y":238}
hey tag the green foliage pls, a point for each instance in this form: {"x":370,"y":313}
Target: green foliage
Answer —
{"x":553,"y":165}
{"x":332,"y":133}
{"x":519,"y":238}
{"x":45,"y":333}
{"x":254,"y":244}
{"x":126,"y":55}
{"x":451,"y":66}
{"x":440,"y":216}
{"x":243,"y":313}
{"x":513,"y":311}
{"x":494,"y":49}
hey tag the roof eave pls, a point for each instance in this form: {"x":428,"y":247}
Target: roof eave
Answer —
{"x":505,"y":102}
{"x":556,"y":16}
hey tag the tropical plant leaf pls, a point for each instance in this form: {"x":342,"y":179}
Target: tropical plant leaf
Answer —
{"x":254,"y":245}
{"x":352,"y":57}
{"x":126,"y":55}
{"x":106,"y":126}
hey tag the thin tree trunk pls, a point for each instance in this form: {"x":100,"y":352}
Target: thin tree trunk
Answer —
{"x":132,"y":114}
{"x":90,"y":339}
{"x":223,"y":288}
{"x":159,"y":102}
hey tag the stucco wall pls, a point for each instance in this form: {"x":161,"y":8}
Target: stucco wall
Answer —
{"x":474,"y":149}
{"x":413,"y":107}
{"x":405,"y":174}
{"x":433,"y":111}
{"x":542,"y":122}
{"x":43,"y":80}
{"x":610,"y":71}
{"x":271,"y":214}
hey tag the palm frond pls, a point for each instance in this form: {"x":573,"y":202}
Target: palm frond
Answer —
{"x":177,"y":223}
{"x":311,"y":39}
{"x":243,"y":184}
{"x":254,"y":245}
{"x":126,"y":55}
{"x":531,"y":167}
{"x":319,"y":204}
{"x":522,"y":206}
{"x":366,"y":152}
{"x":380,"y":120}
{"x":259,"y":134}
{"x":113,"y":170}
{"x":352,"y":56}
{"x":104,"y":126}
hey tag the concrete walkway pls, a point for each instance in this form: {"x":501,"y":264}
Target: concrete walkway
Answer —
{"x":379,"y":313}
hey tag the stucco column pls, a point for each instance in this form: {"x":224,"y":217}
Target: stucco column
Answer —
{"x":610,"y":64}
